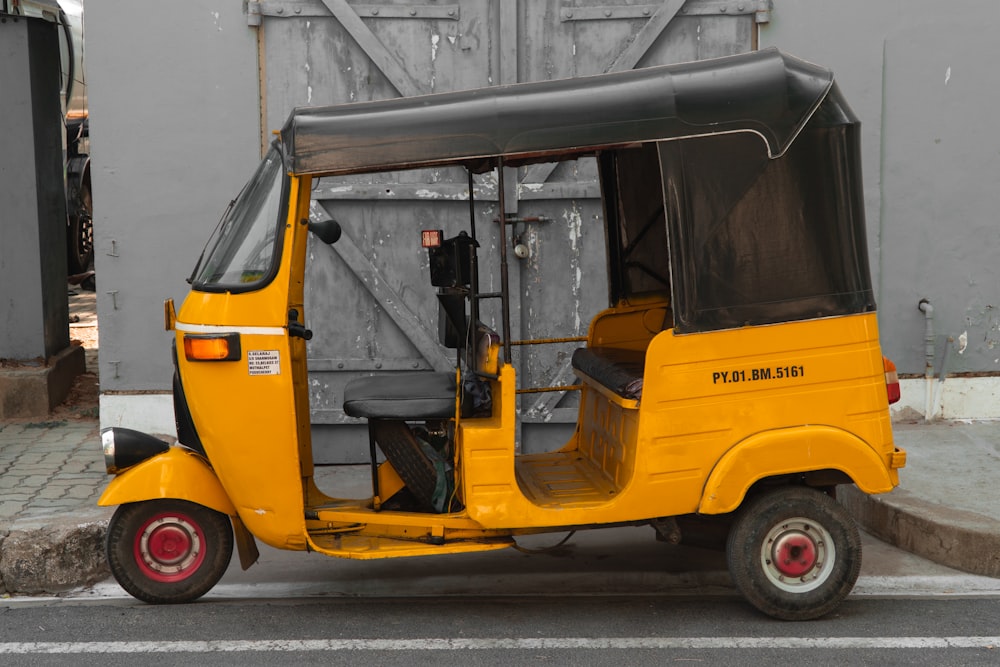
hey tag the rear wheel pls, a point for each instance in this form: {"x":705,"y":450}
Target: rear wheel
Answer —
{"x":168,"y":551}
{"x":794,"y":553}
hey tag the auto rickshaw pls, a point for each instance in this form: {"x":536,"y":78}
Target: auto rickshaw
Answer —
{"x":734,"y":381}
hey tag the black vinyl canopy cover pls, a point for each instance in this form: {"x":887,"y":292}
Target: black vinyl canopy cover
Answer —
{"x":765,"y":92}
{"x":757,"y":232}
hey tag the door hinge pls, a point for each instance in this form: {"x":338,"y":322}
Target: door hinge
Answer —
{"x":763,"y":13}
{"x":253,"y":14}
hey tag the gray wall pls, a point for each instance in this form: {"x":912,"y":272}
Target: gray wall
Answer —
{"x":175,"y":132}
{"x":923,"y":77}
{"x":175,"y":108}
{"x":33,"y":308}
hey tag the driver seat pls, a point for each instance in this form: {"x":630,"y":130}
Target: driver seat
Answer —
{"x":402,"y":396}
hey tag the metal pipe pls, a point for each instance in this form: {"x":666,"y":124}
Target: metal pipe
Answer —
{"x":504,"y":281}
{"x":541,"y":390}
{"x":547,"y":341}
{"x":928,"y":310}
{"x":474,"y":259}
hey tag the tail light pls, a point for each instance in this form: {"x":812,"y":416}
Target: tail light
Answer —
{"x":431,"y":238}
{"x":891,"y":380}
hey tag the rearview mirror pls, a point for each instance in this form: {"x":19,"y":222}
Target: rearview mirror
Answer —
{"x":328,"y":231}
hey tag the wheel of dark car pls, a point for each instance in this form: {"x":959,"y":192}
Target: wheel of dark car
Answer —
{"x":794,"y":553}
{"x":80,"y":232}
{"x":168,"y":551}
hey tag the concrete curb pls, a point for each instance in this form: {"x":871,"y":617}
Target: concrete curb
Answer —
{"x":54,"y":555}
{"x":956,"y":538}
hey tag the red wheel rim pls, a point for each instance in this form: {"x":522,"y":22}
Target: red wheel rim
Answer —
{"x":798,"y":555}
{"x":169,"y":547}
{"x":794,"y":554}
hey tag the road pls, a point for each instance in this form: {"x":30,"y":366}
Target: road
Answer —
{"x":634,"y":630}
{"x":579,"y":606}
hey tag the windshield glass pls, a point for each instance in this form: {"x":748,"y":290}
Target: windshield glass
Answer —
{"x":241,"y":254}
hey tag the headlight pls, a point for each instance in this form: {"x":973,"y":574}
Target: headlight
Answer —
{"x":125,"y":447}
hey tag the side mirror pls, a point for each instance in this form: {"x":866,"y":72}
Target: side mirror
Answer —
{"x":328,"y":231}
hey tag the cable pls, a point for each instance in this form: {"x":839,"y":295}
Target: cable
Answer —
{"x":543,"y":550}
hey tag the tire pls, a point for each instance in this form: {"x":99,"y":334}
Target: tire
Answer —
{"x":80,"y":232}
{"x":168,"y":551}
{"x":794,"y":553}
{"x":403,"y":451}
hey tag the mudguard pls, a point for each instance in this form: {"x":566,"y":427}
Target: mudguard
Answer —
{"x":176,"y":473}
{"x":789,"y":451}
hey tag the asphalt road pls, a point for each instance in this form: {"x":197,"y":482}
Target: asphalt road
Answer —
{"x":606,"y":597}
{"x":548,"y":630}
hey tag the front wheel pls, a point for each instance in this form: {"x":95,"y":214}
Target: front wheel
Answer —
{"x":794,"y":553}
{"x":168,"y":551}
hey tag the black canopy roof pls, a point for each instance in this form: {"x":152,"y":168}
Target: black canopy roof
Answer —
{"x":765,"y":92}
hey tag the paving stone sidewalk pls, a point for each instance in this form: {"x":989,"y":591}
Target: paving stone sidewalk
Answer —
{"x":51,"y":530}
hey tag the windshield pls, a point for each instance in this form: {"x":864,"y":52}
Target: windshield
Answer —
{"x":241,"y":254}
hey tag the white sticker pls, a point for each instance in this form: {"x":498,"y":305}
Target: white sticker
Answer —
{"x":264,"y":362}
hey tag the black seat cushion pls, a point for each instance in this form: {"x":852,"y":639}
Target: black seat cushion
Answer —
{"x":617,"y":369}
{"x":401,"y":396}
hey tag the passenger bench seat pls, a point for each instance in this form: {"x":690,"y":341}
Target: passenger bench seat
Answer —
{"x":617,"y":369}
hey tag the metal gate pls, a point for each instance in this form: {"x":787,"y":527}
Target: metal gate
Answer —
{"x":368,"y":298}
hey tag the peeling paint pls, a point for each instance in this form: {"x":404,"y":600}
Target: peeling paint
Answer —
{"x":963,"y":342}
{"x":575,"y":222}
{"x":217,"y":20}
{"x":947,"y":76}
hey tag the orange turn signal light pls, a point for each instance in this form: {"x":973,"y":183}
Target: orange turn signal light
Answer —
{"x":212,"y":347}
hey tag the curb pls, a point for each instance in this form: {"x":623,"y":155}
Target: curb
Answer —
{"x":955,"y":538}
{"x":54,"y":555}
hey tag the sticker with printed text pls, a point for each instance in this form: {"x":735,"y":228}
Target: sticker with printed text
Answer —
{"x":264,"y":362}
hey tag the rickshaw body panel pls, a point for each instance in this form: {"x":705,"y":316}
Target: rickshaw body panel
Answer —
{"x":175,"y":473}
{"x":707,"y":394}
{"x":698,"y":439}
{"x":793,"y":451}
{"x":247,"y":412}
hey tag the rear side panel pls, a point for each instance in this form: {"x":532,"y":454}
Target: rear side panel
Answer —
{"x":707,"y":393}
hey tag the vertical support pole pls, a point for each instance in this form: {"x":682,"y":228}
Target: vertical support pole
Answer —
{"x":508,"y":35}
{"x":504,"y":280}
{"x":474,"y":259}
{"x":376,"y":500}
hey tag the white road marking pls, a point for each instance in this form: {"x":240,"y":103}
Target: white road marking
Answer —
{"x":501,"y":643}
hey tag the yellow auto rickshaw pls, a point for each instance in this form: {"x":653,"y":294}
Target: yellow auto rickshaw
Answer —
{"x":734,"y":381}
